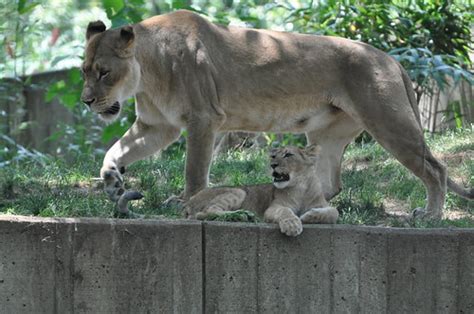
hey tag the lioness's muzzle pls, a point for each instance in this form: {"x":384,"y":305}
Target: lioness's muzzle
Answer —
{"x":114,"y":109}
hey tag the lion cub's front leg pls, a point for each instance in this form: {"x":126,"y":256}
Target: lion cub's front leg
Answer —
{"x":289,"y":223}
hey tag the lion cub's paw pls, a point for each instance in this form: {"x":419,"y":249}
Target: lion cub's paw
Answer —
{"x":291,"y":226}
{"x":113,"y":184}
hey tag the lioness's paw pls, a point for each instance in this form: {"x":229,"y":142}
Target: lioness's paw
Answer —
{"x":291,"y":226}
{"x":176,"y":201}
{"x":421,"y":213}
{"x":113,"y":183}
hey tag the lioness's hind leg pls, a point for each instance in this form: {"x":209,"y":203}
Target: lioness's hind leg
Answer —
{"x":223,"y":203}
{"x":324,"y":215}
{"x":388,"y":115}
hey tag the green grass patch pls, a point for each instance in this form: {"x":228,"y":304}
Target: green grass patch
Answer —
{"x":60,"y":188}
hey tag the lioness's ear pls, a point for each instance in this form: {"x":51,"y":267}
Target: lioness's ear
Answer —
{"x":94,"y":28}
{"x":127,"y":36}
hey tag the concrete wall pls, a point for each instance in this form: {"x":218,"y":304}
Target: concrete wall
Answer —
{"x":149,"y":266}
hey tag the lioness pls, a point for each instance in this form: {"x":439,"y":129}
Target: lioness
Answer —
{"x":187,"y":73}
{"x":295,"y":197}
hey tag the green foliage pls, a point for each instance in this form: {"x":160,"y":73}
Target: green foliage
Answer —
{"x":424,"y":67}
{"x":439,"y":26}
{"x":277,"y":140}
{"x":122,"y":12}
{"x":26,"y":6}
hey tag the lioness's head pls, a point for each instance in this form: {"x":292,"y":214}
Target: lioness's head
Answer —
{"x":291,"y":163}
{"x":110,"y":70}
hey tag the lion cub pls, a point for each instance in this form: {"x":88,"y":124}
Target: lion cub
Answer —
{"x":294,"y":198}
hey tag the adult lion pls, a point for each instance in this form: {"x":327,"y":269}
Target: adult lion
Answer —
{"x":186,"y":72}
{"x":295,"y":197}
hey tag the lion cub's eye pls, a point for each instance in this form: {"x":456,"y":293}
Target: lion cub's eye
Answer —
{"x":288,"y":155}
{"x":103,"y":74}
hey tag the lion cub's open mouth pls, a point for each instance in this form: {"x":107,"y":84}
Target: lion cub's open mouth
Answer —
{"x":280,"y":177}
{"x":112,"y":110}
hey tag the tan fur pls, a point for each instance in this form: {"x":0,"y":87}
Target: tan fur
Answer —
{"x":299,"y":200}
{"x":186,"y":72}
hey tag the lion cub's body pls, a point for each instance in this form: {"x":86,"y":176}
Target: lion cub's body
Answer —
{"x":291,"y":202}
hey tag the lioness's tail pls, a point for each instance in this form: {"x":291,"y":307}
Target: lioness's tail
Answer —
{"x":453,"y":186}
{"x":456,"y":188}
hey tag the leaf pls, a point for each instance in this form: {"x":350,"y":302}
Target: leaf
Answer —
{"x":438,"y":60}
{"x":69,"y":100}
{"x":179,"y":4}
{"x":442,"y":68}
{"x":119,"y":20}
{"x":112,"y":7}
{"x":54,"y":90}
{"x":115,"y":129}
{"x":58,"y":59}
{"x":21,"y":4}
{"x":75,"y":76}
{"x":23,"y":8}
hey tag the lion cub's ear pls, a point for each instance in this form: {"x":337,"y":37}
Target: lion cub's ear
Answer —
{"x":94,"y":28}
{"x":313,"y":151}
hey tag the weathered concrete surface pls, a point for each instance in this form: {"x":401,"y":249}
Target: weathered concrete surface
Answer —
{"x":150,"y":266}
{"x":338,"y":269}
{"x":100,"y":266}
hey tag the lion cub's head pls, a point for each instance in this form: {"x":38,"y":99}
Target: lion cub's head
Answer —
{"x":289,"y":164}
{"x":110,"y":70}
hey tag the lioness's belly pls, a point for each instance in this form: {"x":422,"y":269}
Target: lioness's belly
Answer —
{"x":280,"y":117}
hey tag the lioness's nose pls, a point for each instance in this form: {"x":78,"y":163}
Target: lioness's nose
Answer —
{"x":273,"y":165}
{"x":88,"y":102}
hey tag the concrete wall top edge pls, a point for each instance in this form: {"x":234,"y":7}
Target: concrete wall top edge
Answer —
{"x":238,"y":225}
{"x":105,"y":221}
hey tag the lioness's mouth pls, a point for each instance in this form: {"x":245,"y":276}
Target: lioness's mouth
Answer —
{"x":280,"y":177}
{"x":112,"y":110}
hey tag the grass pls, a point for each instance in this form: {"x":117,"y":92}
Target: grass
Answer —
{"x":377,"y":189}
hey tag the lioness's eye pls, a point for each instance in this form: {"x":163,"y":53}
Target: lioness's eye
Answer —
{"x":103,"y":74}
{"x":288,"y":155}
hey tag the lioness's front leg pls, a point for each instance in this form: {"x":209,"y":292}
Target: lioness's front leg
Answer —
{"x":140,"y":141}
{"x":199,"y":147}
{"x":289,"y":223}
